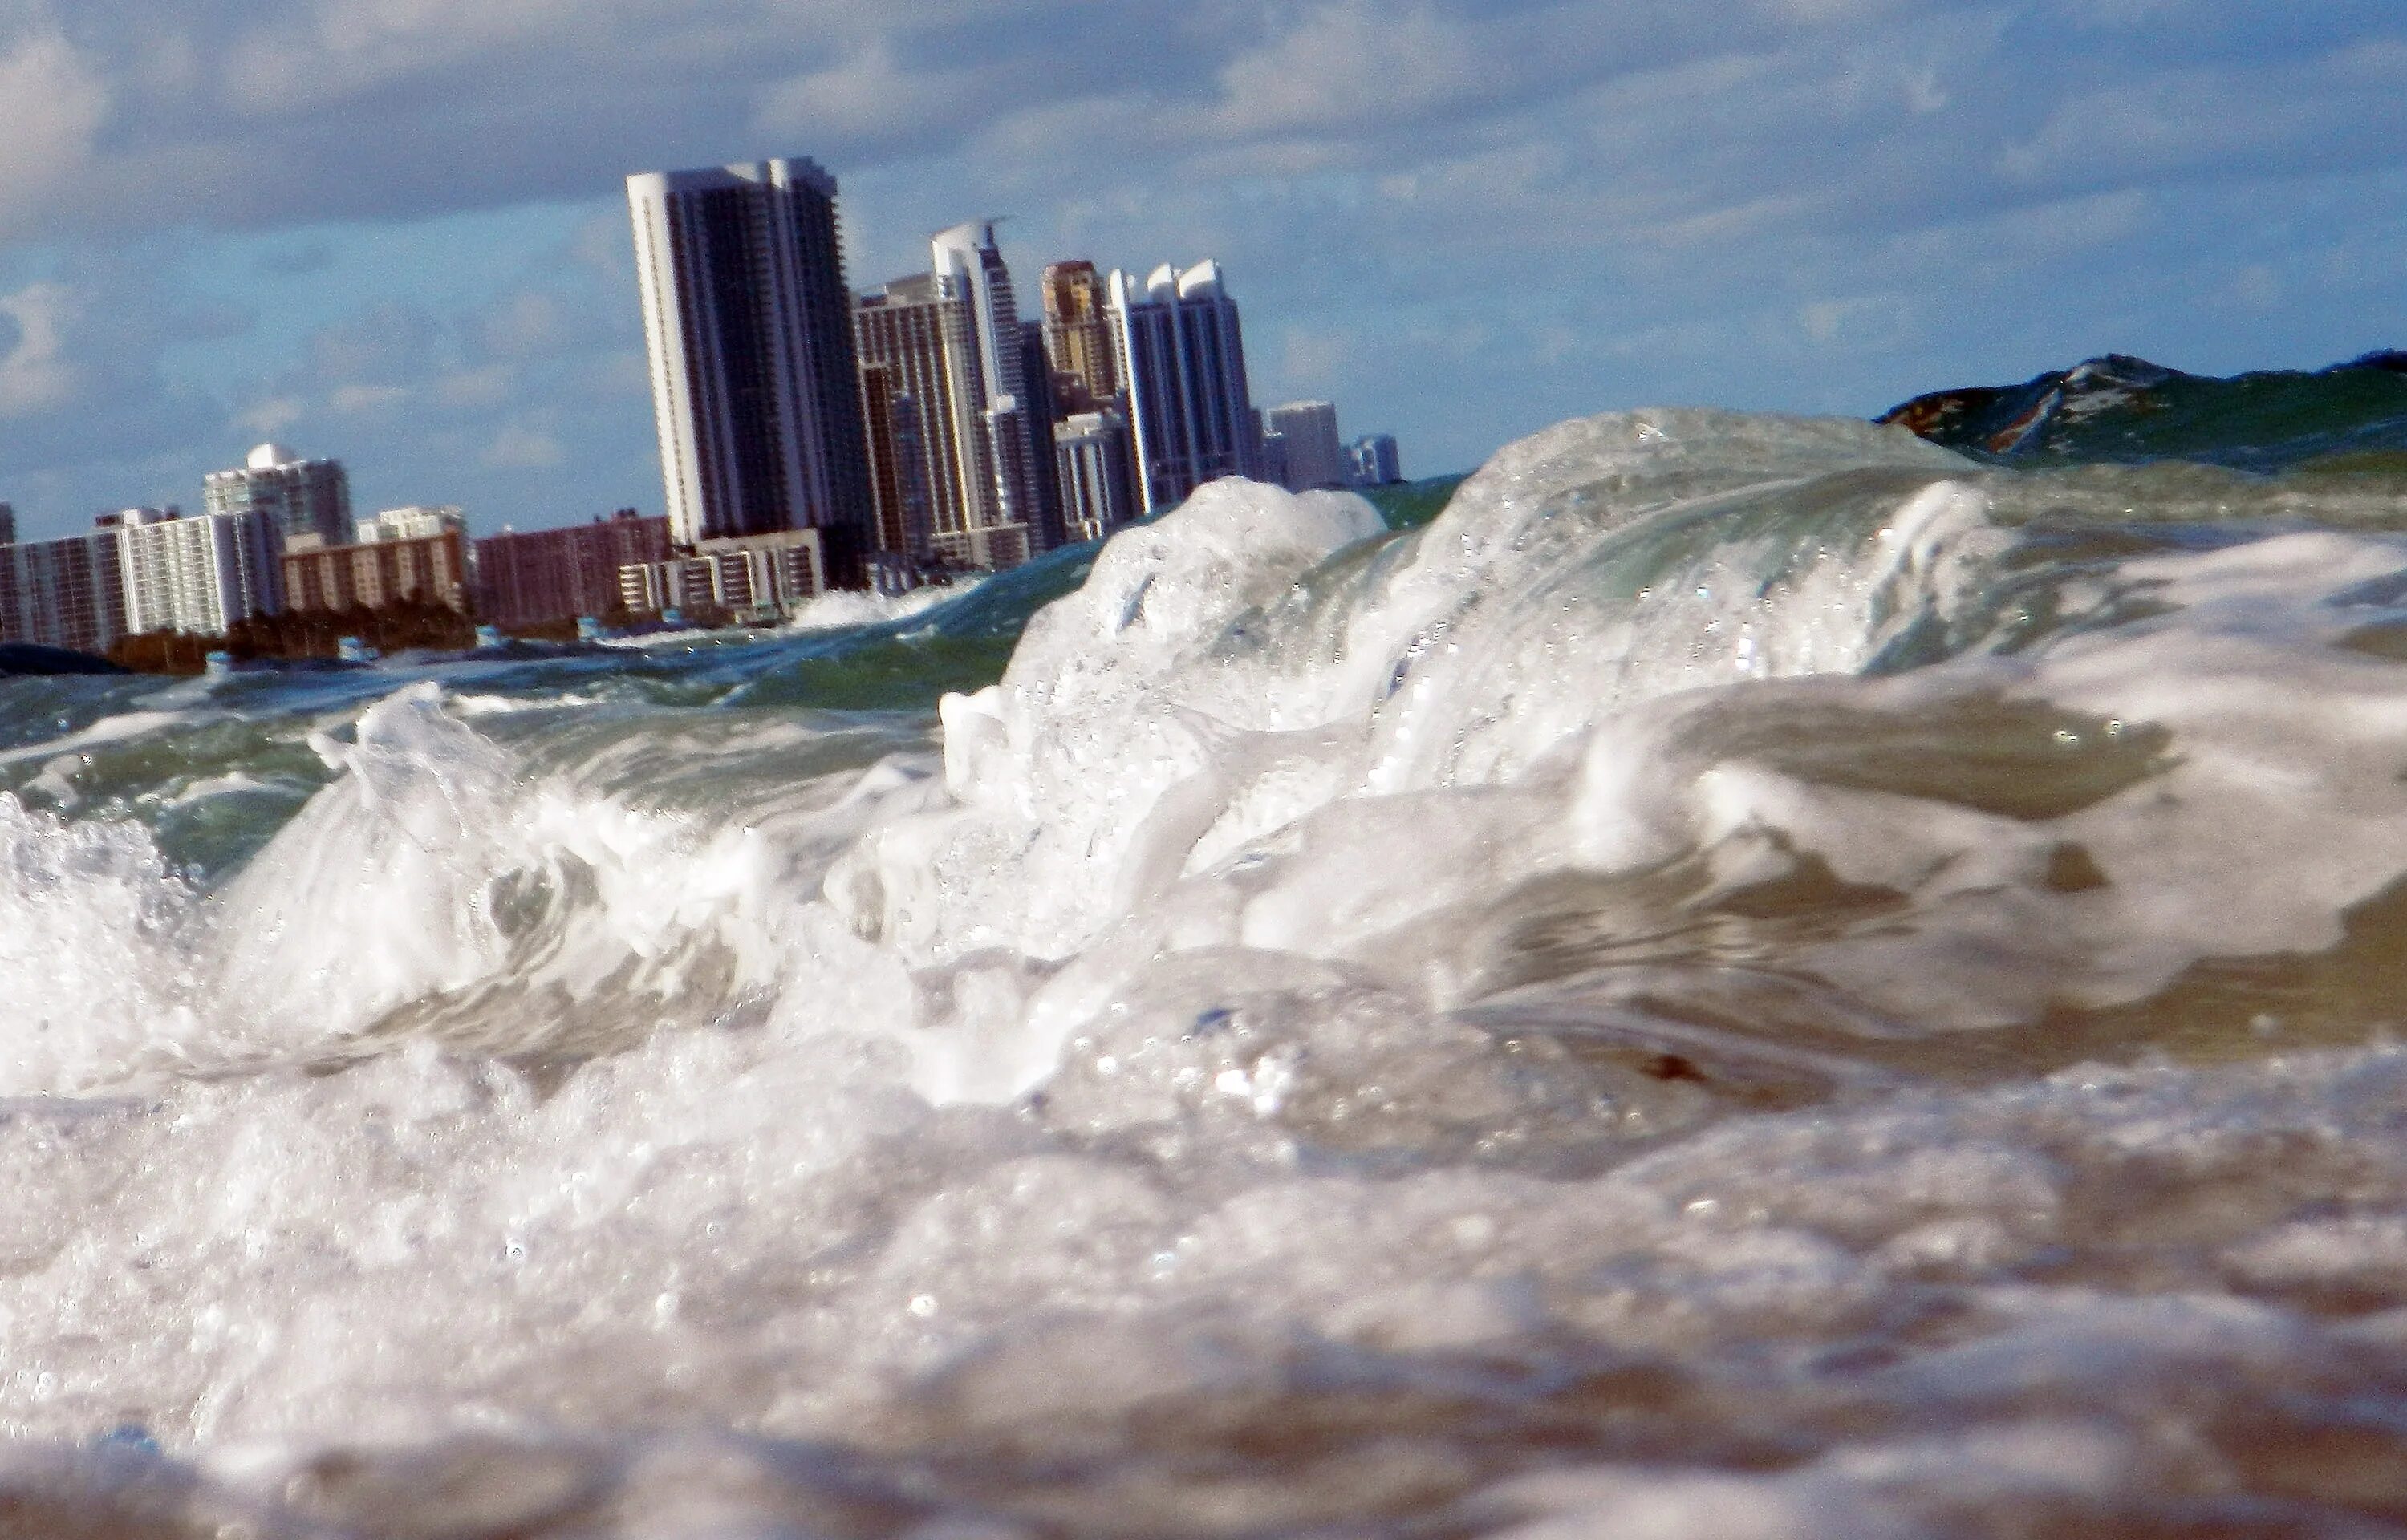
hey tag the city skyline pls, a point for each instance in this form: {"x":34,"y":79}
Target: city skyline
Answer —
{"x":398,"y":238}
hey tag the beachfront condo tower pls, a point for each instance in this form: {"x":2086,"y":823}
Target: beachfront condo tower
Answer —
{"x":1182,"y":361}
{"x":755,"y":385}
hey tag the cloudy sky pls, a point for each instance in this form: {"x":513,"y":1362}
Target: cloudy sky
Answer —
{"x":393,"y":231}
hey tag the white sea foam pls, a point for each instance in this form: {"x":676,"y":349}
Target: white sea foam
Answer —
{"x":108,"y":729}
{"x":1328,"y":965}
{"x":839,"y":608}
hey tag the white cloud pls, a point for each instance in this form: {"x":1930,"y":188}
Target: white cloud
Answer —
{"x":273,"y":415}
{"x":488,"y":385}
{"x":1352,"y":62}
{"x":51,"y":106}
{"x":520,"y":448}
{"x":38,"y":373}
{"x":357,"y":400}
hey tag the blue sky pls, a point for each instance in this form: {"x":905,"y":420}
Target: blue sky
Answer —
{"x":393,"y":231}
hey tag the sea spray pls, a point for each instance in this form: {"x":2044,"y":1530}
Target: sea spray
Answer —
{"x":1753,"y":976}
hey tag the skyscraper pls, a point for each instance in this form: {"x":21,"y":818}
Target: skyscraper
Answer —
{"x":755,"y":385}
{"x":299,"y":497}
{"x":1182,"y":358}
{"x":1043,"y":419}
{"x":898,"y":471}
{"x":1020,"y":422}
{"x":64,"y":593}
{"x":1098,"y":491}
{"x":1314,"y":455}
{"x":8,"y":524}
{"x":1374,"y":460}
{"x":199,"y":574}
{"x":1078,"y":337}
{"x":921,"y":335}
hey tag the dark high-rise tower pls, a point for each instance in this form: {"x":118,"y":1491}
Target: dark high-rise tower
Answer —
{"x":748,"y":323}
{"x":1182,"y":360}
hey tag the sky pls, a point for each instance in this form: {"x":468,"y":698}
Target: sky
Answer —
{"x":394,"y":231}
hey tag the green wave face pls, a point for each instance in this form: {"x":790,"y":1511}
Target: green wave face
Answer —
{"x":2349,"y":420}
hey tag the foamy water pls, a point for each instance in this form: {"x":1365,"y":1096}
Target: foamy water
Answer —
{"x":1754,"y":978}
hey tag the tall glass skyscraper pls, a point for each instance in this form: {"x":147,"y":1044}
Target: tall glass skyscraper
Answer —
{"x":1182,"y":360}
{"x":755,"y":385}
{"x":1018,"y":419}
{"x":296,"y":496}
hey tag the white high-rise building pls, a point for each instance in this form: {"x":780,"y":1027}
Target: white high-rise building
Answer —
{"x":1097,"y":493}
{"x":1313,"y":454}
{"x":748,"y":324}
{"x":1182,"y":358}
{"x":966,"y":259}
{"x":300,"y":497}
{"x":413,"y":523}
{"x":198,"y":575}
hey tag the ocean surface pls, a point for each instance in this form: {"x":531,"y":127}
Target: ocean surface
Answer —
{"x":1733,"y":977}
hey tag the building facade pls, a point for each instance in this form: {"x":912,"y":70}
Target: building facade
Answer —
{"x":921,"y":336}
{"x":1375,"y":462}
{"x":1310,"y":452}
{"x":560,"y":574}
{"x":1043,"y":417}
{"x":198,"y":574}
{"x":413,"y":523}
{"x":1098,"y":482}
{"x":1078,"y":338}
{"x":755,"y":576}
{"x":1181,"y":354}
{"x":300,"y":497}
{"x":64,"y":593}
{"x":748,"y":324}
{"x":1016,"y":406}
{"x":429,"y":569}
{"x":898,"y":469}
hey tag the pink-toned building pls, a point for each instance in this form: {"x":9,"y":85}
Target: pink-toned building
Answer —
{"x":560,"y":574}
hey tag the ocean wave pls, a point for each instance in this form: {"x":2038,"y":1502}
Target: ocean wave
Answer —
{"x":1753,"y":975}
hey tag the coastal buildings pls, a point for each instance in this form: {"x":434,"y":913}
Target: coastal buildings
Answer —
{"x":375,"y":573}
{"x":1018,"y":424}
{"x":752,"y":577}
{"x":413,"y":523}
{"x":197,"y":574}
{"x":62,"y":593}
{"x":299,"y":497}
{"x":1181,"y":354}
{"x":898,"y":471}
{"x":1098,"y":487}
{"x":1375,"y":462}
{"x":1043,"y":422}
{"x":1309,"y":453}
{"x":926,"y":427}
{"x":755,"y":385}
{"x":920,"y":334}
{"x":526,"y":579}
{"x":1078,"y":338}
